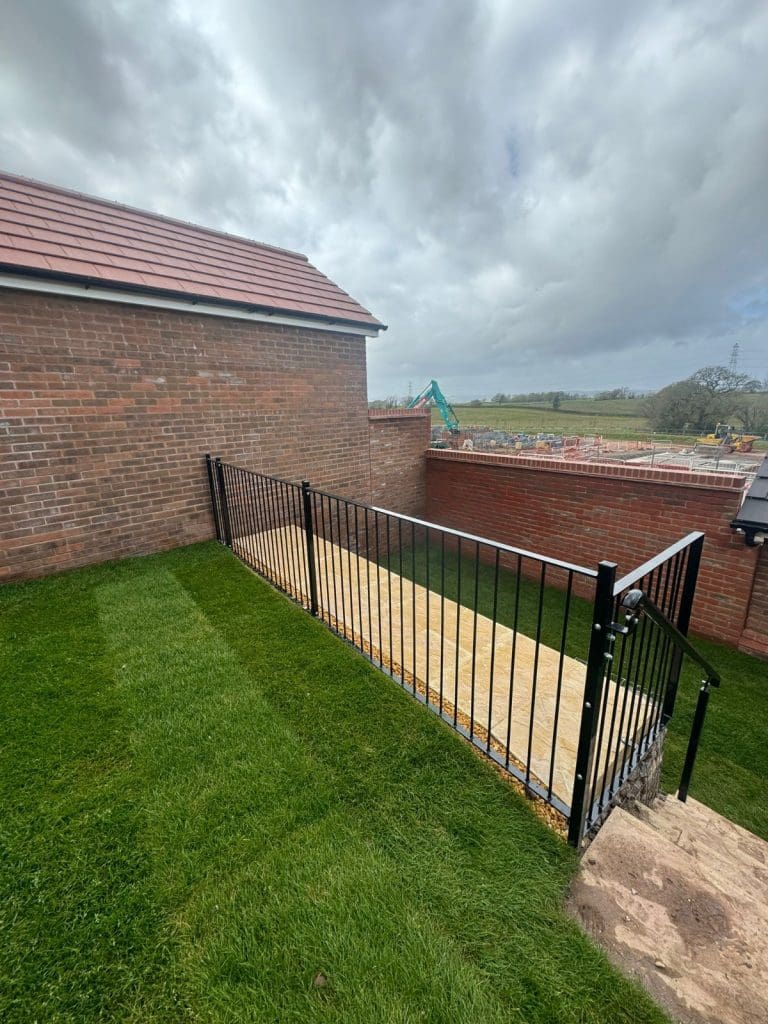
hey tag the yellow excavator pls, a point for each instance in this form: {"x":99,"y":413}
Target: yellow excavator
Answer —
{"x":726,"y":440}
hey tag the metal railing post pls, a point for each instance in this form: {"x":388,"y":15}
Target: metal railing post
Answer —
{"x":224,"y":504}
{"x":212,"y":487}
{"x":602,"y":617}
{"x":683,"y":624}
{"x":693,"y":741}
{"x":309,"y":533}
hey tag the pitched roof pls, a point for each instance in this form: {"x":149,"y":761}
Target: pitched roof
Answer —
{"x":51,"y":232}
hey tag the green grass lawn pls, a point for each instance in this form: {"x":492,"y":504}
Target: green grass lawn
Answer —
{"x":731,"y":773}
{"x":208,"y":799}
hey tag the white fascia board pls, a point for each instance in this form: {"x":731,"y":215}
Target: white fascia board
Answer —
{"x":79,"y":291}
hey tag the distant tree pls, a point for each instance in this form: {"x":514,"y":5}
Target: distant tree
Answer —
{"x":687,"y":406}
{"x":556,"y":399}
{"x":751,"y":413}
{"x":390,"y":402}
{"x":712,"y":394}
{"x":499,"y":398}
{"x":720,"y":380}
{"x":614,"y":394}
{"x":476,"y":402}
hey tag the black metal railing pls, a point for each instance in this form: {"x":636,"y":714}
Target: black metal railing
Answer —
{"x":492,"y":638}
{"x":639,"y":639}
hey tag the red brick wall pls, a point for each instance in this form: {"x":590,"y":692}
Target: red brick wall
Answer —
{"x":584,"y":513}
{"x":106,"y":411}
{"x":399,"y":439}
{"x":755,"y":636}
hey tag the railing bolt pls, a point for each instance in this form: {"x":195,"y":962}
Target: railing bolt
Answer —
{"x":597,"y":627}
{"x":588,"y":706}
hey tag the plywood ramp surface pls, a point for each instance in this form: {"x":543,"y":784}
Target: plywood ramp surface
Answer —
{"x":528,"y":696}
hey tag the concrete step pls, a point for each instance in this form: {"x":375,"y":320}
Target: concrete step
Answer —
{"x":678,"y":898}
{"x":716,"y":843}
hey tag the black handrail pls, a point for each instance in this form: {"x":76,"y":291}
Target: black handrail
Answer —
{"x":638,"y":600}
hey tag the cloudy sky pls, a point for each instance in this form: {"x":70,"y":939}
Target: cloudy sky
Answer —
{"x":531,"y":194}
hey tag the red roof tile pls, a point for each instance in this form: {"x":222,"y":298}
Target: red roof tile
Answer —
{"x":62,"y":234}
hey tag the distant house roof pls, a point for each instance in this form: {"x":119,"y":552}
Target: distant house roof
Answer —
{"x":52,"y":233}
{"x":753,"y":514}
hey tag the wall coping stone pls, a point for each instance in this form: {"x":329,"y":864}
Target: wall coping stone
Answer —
{"x":621,"y":470}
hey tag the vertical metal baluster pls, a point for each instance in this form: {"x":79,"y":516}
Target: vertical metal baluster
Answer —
{"x":299,"y":540}
{"x":493,"y":646}
{"x":638,"y":696}
{"x":603,"y":714}
{"x":332,"y":545}
{"x":515,"y":621}
{"x":666,"y":669}
{"x":258,"y":558}
{"x":559,"y":690}
{"x":359,"y":587}
{"x":458,"y":635}
{"x":212,"y":489}
{"x":402,"y":606}
{"x":223,"y":500}
{"x":413,"y":600}
{"x":350,"y":583}
{"x":474,"y":644}
{"x":389,"y":595}
{"x":308,"y":522}
{"x":368,"y":582}
{"x":653,"y":646}
{"x":581,"y":808}
{"x":429,"y":597}
{"x":659,"y":660}
{"x":442,"y":617}
{"x":349,"y":571}
{"x":380,"y":639}
{"x":618,"y":771}
{"x":248,"y":509}
{"x":271,"y":537}
{"x":608,"y":778}
{"x":535,"y":677}
{"x":284,"y":564}
{"x":683,"y":620}
{"x":291,"y":539}
{"x":235,"y":505}
{"x":327,"y":551}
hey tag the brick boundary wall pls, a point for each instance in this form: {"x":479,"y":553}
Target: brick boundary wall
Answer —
{"x":398,"y":443}
{"x":106,"y":411}
{"x":585,"y":512}
{"x":754,"y":639}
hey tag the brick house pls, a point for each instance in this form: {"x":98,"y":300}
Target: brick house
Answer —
{"x":131,"y":344}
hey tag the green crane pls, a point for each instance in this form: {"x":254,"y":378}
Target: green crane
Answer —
{"x":432,"y":395}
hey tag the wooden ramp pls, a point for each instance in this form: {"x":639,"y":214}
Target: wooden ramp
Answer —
{"x":487,"y":677}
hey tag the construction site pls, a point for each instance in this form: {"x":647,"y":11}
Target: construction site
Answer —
{"x":722,"y":451}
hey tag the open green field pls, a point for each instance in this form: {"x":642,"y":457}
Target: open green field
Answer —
{"x":619,"y":419}
{"x":536,"y":419}
{"x":212,"y":809}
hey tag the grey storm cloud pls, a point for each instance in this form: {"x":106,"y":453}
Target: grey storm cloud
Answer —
{"x":564,"y":195}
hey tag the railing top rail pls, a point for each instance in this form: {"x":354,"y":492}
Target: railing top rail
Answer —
{"x":556,"y":562}
{"x":264,"y":476}
{"x":653,"y":563}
